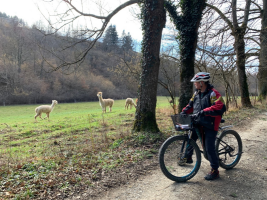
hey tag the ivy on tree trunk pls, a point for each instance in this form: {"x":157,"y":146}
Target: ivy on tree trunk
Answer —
{"x":262,"y":75}
{"x":187,"y":24}
{"x":153,"y":21}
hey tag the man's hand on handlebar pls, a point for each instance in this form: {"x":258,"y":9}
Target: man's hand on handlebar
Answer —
{"x":183,"y":114}
{"x":197,"y":115}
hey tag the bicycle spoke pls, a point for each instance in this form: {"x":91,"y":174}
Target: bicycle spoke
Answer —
{"x":178,"y":163}
{"x":229,"y":149}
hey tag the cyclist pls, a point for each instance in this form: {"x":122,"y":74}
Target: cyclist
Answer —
{"x":208,"y":107}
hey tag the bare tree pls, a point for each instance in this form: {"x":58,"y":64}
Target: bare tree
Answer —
{"x":238,"y":27}
{"x":169,"y":76}
{"x":153,"y":18}
{"x":262,"y":75}
{"x":82,"y":39}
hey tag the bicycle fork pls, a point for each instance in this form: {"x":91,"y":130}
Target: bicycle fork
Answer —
{"x":202,"y":143}
{"x":182,"y":159}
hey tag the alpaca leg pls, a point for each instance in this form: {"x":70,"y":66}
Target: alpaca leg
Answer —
{"x":35,"y":117}
{"x":47,"y":115}
{"x":40,"y":115}
{"x":131,"y":107}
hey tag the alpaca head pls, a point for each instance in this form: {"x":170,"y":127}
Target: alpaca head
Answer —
{"x":99,"y":94}
{"x":54,"y":102}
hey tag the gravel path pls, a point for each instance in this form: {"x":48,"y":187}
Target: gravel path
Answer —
{"x":248,"y":180}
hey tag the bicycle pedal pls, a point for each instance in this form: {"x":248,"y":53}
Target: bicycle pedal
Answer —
{"x":182,"y":161}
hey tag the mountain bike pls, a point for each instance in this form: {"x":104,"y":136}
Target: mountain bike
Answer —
{"x":173,"y":151}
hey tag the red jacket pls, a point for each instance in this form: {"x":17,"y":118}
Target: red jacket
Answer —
{"x":212,"y":103}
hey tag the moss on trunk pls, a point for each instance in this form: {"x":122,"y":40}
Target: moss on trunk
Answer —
{"x":187,"y":24}
{"x":153,"y":20}
{"x":262,"y":75}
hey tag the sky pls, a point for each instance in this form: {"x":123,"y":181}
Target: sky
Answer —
{"x":28,"y":11}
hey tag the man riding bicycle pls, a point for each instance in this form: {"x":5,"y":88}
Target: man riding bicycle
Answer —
{"x":208,"y":107}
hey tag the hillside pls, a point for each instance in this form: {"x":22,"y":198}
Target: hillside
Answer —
{"x":29,"y":56}
{"x":25,"y":65}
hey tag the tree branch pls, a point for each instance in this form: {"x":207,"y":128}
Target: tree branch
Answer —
{"x":215,"y":54}
{"x":107,"y":18}
{"x":235,"y":23}
{"x":246,"y":14}
{"x":222,"y":15}
{"x":92,"y":38}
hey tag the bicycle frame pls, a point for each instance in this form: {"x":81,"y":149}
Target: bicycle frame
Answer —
{"x":175,"y":151}
{"x":225,"y":150}
{"x":189,"y":134}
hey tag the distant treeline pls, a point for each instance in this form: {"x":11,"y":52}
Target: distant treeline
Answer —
{"x":111,"y":66}
{"x":29,"y":76}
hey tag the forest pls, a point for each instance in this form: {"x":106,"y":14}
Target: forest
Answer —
{"x":29,"y":78}
{"x":112,"y":66}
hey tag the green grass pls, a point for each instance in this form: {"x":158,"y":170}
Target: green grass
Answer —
{"x":70,"y":124}
{"x":78,"y":139}
{"x":77,"y":136}
{"x":24,"y":114}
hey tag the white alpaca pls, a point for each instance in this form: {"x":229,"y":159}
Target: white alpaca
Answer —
{"x":105,"y":102}
{"x":129,"y":101}
{"x":45,"y":109}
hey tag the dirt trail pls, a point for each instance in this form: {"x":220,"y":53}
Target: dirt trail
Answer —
{"x":248,"y":180}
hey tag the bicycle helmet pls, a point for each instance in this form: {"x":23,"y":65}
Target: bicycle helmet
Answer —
{"x":201,"y":76}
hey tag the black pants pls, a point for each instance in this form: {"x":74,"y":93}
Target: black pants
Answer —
{"x":210,"y":137}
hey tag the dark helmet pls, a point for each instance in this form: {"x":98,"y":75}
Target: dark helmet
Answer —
{"x":201,"y":76}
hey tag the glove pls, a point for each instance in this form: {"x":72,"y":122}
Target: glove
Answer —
{"x":197,"y":115}
{"x":200,"y":113}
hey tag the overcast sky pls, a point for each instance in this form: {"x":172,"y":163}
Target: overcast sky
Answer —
{"x":28,"y":11}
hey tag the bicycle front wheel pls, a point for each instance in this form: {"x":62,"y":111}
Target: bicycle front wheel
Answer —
{"x":172,"y":152}
{"x":229,"y":149}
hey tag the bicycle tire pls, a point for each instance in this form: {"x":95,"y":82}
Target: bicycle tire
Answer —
{"x":168,"y":159}
{"x":229,"y":155}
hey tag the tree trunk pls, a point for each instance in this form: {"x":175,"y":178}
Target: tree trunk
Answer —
{"x":188,"y":44}
{"x":188,"y":25}
{"x":154,"y":18}
{"x":262,"y":75}
{"x":186,"y":87}
{"x":241,"y":69}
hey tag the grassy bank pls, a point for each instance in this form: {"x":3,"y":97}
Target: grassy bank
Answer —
{"x":78,"y":148}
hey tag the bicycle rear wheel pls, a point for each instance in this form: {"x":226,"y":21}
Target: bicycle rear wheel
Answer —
{"x":229,"y":149}
{"x":171,"y":152}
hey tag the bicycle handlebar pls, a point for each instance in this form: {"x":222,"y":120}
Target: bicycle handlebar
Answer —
{"x":185,"y":122}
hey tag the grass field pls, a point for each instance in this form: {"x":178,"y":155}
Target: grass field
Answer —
{"x":21,"y":138}
{"x":77,"y":146}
